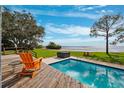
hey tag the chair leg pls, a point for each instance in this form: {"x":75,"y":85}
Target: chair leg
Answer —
{"x":38,"y":66}
{"x":20,"y":75}
{"x":33,"y":74}
{"x":24,"y":73}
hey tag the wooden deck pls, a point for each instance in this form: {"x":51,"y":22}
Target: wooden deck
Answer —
{"x":47,"y":77}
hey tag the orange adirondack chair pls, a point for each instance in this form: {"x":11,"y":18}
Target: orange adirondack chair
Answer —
{"x":30,"y":66}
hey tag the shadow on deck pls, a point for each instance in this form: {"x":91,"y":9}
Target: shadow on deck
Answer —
{"x":47,"y":77}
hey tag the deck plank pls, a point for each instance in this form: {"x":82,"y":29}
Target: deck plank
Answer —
{"x":54,"y":81}
{"x":47,"y":77}
{"x":32,"y":82}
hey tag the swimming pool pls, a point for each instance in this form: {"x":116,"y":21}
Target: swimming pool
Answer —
{"x":92,"y":75}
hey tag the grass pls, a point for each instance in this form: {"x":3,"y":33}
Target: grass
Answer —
{"x":101,"y":56}
{"x":45,"y":53}
{"x":8,"y":52}
{"x":112,"y":57}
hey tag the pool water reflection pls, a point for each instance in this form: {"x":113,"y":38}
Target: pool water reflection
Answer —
{"x":90,"y":74}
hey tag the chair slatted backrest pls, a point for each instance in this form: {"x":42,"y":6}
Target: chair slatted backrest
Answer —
{"x":27,"y":60}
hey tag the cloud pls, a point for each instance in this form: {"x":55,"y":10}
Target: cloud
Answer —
{"x":73,"y":35}
{"x":75,"y":41}
{"x":105,"y":11}
{"x":49,"y":37}
{"x":79,"y":41}
{"x":73,"y":30}
{"x":82,"y":15}
{"x":39,"y":22}
{"x":82,"y":8}
{"x":69,"y":34}
{"x":57,"y":13}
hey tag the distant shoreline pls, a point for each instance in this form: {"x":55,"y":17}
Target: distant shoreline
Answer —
{"x":93,"y":48}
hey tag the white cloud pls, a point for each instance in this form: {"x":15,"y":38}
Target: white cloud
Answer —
{"x":74,"y":34}
{"x":82,"y":8}
{"x":82,"y":15}
{"x":80,"y":41}
{"x":105,"y":11}
{"x":58,"y":13}
{"x":49,"y":37}
{"x":39,"y":22}
{"x":74,"y":30}
{"x":75,"y":41}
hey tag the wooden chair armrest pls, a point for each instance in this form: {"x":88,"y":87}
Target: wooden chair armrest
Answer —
{"x":21,"y":61}
{"x":38,"y":59}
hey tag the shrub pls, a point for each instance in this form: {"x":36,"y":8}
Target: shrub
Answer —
{"x":52,"y":45}
{"x":39,"y":46}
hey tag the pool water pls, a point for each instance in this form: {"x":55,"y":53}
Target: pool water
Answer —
{"x":90,"y":74}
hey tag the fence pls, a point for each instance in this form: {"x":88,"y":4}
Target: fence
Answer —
{"x":11,"y":48}
{"x":17,"y":50}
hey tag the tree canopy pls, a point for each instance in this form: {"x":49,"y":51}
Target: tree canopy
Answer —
{"x":53,"y":45}
{"x":20,"y":29}
{"x":107,"y":26}
{"x":119,"y":36}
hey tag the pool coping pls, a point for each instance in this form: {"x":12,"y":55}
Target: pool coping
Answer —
{"x":118,"y":66}
{"x":112,"y":65}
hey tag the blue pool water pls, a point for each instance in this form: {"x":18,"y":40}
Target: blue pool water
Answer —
{"x":92,"y":75}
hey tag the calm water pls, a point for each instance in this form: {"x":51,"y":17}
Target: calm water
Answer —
{"x":94,"y":48}
{"x":91,"y":74}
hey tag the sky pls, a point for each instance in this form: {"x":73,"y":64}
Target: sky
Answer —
{"x":69,"y":25}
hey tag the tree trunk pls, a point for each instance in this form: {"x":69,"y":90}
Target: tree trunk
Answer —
{"x":107,"y":44}
{"x":0,"y":42}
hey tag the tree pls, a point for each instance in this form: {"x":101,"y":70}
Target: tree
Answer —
{"x":107,"y":26}
{"x":119,"y":37}
{"x":52,"y":45}
{"x":21,"y":29}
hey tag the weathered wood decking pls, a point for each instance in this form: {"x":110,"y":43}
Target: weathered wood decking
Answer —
{"x":47,"y":77}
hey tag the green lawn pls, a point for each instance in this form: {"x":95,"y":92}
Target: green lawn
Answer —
{"x":112,"y":57}
{"x":45,"y":53}
{"x":101,"y":56}
{"x":8,"y":52}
